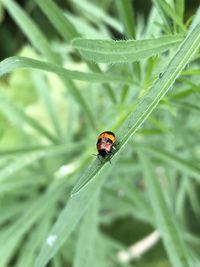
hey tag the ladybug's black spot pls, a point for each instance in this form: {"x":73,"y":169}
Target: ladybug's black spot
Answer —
{"x":107,"y":140}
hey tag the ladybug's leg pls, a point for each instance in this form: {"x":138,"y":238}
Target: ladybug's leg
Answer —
{"x":110,"y":155}
{"x":115,"y":145}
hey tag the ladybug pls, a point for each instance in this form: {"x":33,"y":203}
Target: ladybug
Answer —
{"x":106,"y":144}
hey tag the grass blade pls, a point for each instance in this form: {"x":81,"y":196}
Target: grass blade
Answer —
{"x":22,"y":161}
{"x":126,"y":13}
{"x":85,"y":251}
{"x":96,"y":14}
{"x":36,"y":210}
{"x":45,"y":95}
{"x":182,"y":164}
{"x":69,"y":218}
{"x":13,"y":63}
{"x":180,"y":8}
{"x":125,"y":10}
{"x":170,"y":13}
{"x":32,"y":32}
{"x":20,"y":118}
{"x":165,"y":222}
{"x":58,"y":19}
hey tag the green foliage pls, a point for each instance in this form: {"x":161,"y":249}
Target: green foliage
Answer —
{"x":59,"y":206}
{"x":123,"y":51}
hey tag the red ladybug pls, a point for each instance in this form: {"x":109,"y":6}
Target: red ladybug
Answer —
{"x":106,"y":144}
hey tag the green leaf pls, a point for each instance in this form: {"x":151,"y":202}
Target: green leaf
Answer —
{"x":30,"y":29}
{"x":85,"y":251}
{"x":1,"y":13}
{"x":58,"y":19}
{"x":19,"y":117}
{"x":125,"y":11}
{"x":13,"y":63}
{"x":179,"y":163}
{"x":96,"y":14}
{"x":68,"y":219}
{"x":45,"y":96}
{"x":23,"y":161}
{"x":196,"y":19}
{"x":23,"y":223}
{"x":33,"y":242}
{"x":187,"y":105}
{"x":165,"y":221}
{"x":109,"y":51}
{"x":180,"y":8}
{"x":169,"y":12}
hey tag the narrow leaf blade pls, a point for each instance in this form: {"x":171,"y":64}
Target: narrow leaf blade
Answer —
{"x":109,"y":51}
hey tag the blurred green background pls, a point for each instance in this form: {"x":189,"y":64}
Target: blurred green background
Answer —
{"x":48,"y":130}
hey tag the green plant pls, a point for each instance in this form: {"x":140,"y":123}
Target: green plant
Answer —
{"x":55,"y":101}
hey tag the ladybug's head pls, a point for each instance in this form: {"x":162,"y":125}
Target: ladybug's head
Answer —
{"x":103,"y":153}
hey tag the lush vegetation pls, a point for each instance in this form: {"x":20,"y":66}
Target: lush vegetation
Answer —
{"x":86,"y":67}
